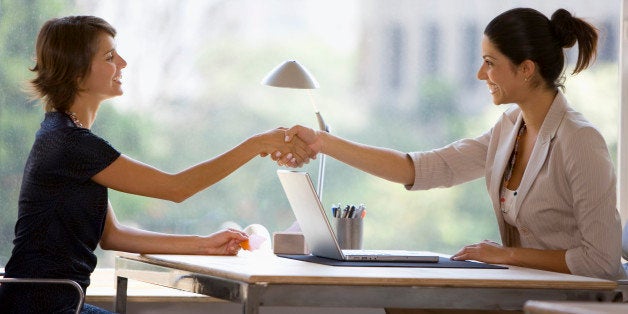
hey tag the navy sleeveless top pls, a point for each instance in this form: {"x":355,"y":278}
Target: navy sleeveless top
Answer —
{"x":61,"y":210}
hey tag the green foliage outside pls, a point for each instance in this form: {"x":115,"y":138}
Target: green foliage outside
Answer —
{"x":18,"y":117}
{"x":176,"y":133}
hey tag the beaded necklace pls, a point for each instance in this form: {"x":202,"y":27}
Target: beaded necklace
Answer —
{"x":511,"y":166}
{"x":75,"y":119}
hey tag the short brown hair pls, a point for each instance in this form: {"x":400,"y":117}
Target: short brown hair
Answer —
{"x":64,"y":51}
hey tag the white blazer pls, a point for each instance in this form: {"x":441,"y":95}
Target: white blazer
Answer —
{"x":566,"y":199}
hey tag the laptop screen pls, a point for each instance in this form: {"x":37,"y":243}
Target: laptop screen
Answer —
{"x":310,"y":214}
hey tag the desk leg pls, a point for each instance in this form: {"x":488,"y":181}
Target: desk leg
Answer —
{"x":121,"y":295}
{"x":250,"y":309}
{"x":252,"y":299}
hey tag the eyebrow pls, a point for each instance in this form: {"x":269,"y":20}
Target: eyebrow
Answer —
{"x":488,"y":56}
{"x":109,"y":51}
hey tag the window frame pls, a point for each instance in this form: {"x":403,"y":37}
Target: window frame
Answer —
{"x":622,"y":149}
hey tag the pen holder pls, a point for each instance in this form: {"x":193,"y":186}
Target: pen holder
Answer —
{"x":349,"y":232}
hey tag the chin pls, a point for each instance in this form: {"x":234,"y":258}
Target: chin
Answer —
{"x":498,"y":101}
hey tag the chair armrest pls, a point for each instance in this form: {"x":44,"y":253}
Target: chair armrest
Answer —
{"x":72,"y":283}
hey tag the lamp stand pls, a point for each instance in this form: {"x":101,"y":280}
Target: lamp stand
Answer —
{"x":321,"y":162}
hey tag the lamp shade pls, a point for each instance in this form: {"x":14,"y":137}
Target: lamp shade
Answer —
{"x":290,"y":74}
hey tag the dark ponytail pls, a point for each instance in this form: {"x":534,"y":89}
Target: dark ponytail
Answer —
{"x":526,"y":34}
{"x":569,"y":30}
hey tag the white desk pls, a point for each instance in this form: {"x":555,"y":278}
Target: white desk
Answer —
{"x":266,"y":280}
{"x":563,"y":307}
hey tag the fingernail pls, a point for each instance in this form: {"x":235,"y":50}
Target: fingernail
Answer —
{"x":278,"y":154}
{"x":287,"y":138}
{"x":289,"y":156}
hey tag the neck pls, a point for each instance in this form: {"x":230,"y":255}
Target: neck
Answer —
{"x":85,"y":113}
{"x":535,"y":108}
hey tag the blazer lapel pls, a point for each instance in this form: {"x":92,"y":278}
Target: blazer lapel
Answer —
{"x":507,"y":137}
{"x":541,"y":147}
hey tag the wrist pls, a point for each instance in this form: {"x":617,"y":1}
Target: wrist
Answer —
{"x":511,"y":256}
{"x":321,"y":137}
{"x":203,"y":244}
{"x":255,"y":144}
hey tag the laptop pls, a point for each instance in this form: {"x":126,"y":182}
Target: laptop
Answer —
{"x":319,"y":235}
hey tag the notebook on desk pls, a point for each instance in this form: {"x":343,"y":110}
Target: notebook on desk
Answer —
{"x":319,"y":235}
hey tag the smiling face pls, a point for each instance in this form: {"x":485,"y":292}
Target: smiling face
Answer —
{"x":103,"y":80}
{"x":505,"y":81}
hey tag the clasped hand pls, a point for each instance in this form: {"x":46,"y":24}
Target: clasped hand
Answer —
{"x":300,"y":145}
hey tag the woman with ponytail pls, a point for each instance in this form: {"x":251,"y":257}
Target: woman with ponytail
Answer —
{"x":547,"y":169}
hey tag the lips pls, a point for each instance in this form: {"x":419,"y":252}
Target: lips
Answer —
{"x":492,"y":88}
{"x":118,"y":79}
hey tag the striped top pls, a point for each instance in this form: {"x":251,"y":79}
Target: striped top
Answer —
{"x":566,"y":199}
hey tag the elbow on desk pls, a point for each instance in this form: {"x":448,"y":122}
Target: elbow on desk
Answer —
{"x":603,"y":268}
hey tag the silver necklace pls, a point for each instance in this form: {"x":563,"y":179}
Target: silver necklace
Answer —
{"x":76,"y":121}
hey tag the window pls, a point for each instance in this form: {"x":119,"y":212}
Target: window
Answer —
{"x":192,"y":91}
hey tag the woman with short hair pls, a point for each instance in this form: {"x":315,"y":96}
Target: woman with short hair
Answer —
{"x":64,"y":211}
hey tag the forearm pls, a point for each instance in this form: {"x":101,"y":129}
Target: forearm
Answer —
{"x":385,"y":163}
{"x":205,"y":174}
{"x":552,"y":260}
{"x":122,"y":238}
{"x":133,"y":240}
{"x":131,"y":176}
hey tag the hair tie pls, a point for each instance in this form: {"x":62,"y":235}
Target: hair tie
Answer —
{"x":562,"y":24}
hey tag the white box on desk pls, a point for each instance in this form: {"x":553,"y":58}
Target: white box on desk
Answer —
{"x":289,"y":243}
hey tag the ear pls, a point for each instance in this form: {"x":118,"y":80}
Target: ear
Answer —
{"x":79,"y":83}
{"x":527,"y":68}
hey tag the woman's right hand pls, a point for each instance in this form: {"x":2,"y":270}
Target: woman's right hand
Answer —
{"x":293,"y":153}
{"x":223,"y":242}
{"x":298,"y":135}
{"x":309,"y":136}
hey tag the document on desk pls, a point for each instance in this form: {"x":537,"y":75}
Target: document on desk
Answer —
{"x":443,"y":262}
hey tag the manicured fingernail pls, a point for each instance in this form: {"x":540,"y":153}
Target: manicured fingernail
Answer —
{"x":289,"y":156}
{"x":278,"y":154}
{"x":287,"y":138}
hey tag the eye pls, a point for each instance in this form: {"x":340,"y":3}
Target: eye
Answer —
{"x":109,"y":57}
{"x":488,"y":63}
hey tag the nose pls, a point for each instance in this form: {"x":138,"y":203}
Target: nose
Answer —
{"x":122,"y":63}
{"x":481,"y":75}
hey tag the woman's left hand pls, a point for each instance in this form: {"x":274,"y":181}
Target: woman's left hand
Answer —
{"x":486,"y":251}
{"x":224,"y":242}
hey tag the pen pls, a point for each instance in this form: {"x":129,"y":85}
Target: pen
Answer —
{"x":349,"y":211}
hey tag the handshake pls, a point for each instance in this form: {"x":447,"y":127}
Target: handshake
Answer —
{"x":291,"y":147}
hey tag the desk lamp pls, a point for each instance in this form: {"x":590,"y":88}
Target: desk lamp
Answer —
{"x":291,"y":74}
